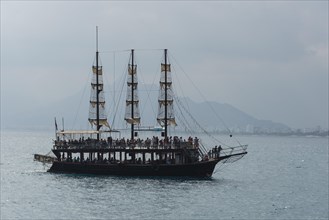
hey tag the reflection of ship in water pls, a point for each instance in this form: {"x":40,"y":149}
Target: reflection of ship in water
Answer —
{"x":104,"y":151}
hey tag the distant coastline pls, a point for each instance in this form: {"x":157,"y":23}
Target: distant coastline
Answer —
{"x":292,"y":133}
{"x":296,"y":132}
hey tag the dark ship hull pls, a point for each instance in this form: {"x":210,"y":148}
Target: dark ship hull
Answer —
{"x":198,"y":169}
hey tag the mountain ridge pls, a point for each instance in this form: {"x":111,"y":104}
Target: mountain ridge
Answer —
{"x":212,"y":115}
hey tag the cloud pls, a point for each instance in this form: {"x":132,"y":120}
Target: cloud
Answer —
{"x":254,"y":55}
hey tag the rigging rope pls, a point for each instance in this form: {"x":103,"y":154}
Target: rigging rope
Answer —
{"x":148,"y":91}
{"x":208,"y":103}
{"x":124,"y":77}
{"x":199,"y":126}
{"x":79,"y":106}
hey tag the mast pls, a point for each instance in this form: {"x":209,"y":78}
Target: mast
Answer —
{"x":97,"y":113}
{"x":166,"y":96}
{"x":132,"y":94}
{"x":132,"y":115}
{"x":166,"y":114}
{"x":97,"y":86}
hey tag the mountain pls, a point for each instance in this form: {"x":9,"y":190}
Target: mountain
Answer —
{"x":213,"y":116}
{"x":221,"y":115}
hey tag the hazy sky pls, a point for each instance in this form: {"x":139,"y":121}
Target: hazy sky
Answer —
{"x":269,"y":59}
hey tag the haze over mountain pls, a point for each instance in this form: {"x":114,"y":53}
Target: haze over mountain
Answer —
{"x":213,"y":116}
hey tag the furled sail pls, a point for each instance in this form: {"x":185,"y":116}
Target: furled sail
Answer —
{"x":93,"y":99}
{"x":132,"y":97}
{"x":162,"y":98}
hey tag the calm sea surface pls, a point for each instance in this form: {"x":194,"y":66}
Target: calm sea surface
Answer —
{"x":280,"y":178}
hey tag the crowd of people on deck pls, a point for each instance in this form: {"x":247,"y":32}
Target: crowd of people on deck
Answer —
{"x":154,"y":143}
{"x":122,"y":143}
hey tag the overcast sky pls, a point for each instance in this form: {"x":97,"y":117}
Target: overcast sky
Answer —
{"x":269,"y":59}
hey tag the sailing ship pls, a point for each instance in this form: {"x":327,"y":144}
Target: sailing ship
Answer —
{"x":98,"y":152}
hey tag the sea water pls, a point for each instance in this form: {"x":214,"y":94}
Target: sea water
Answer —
{"x":279,"y":178}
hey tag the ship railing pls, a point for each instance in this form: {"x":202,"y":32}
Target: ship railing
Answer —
{"x":120,"y":144}
{"x":234,"y":154}
{"x":228,"y":151}
{"x":234,"y":150}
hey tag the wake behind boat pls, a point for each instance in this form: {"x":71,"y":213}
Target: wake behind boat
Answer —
{"x":103,"y":151}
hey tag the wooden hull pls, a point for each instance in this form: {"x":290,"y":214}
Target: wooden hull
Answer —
{"x":198,"y":169}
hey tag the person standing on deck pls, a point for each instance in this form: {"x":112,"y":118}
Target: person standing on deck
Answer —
{"x":219,"y":150}
{"x":196,"y":142}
